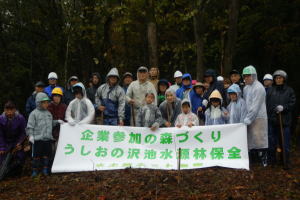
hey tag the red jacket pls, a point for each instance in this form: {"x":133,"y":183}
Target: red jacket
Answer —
{"x":58,"y":112}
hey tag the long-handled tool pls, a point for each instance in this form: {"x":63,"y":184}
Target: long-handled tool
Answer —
{"x":5,"y":166}
{"x":132,"y":114}
{"x":282,"y":141}
{"x":168,"y":114}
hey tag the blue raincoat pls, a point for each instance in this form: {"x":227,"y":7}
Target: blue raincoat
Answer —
{"x":237,"y":109}
{"x":183,"y":92}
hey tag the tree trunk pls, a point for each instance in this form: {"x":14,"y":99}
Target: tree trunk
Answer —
{"x":151,"y":34}
{"x":231,"y":36}
{"x":198,"y":22}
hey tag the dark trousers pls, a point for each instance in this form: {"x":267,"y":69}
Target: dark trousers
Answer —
{"x":275,"y":141}
{"x":41,"y":151}
{"x":110,"y":121}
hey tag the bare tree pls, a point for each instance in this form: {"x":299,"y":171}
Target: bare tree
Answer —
{"x":151,"y":34}
{"x":233,"y":11}
{"x":198,"y":21}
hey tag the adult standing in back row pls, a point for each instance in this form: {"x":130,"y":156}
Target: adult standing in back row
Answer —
{"x":256,"y":118}
{"x":281,"y":100}
{"x":52,"y":79}
{"x":137,"y":90}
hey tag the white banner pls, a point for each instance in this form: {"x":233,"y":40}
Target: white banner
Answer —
{"x":94,"y":147}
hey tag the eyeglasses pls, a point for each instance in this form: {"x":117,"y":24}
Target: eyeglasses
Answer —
{"x":52,"y":79}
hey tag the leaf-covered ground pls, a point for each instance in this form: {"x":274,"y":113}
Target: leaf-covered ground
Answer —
{"x":271,"y":182}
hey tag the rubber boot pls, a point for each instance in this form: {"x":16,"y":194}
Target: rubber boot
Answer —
{"x":46,"y":166}
{"x":35,"y":166}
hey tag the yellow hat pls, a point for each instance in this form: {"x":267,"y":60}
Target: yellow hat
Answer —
{"x":58,"y":91}
{"x":216,"y":95}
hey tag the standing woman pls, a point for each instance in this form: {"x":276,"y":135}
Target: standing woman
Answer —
{"x":281,"y":100}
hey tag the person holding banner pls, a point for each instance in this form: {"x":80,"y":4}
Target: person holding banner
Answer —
{"x":170,"y":108}
{"x":137,"y":90}
{"x":256,"y":118}
{"x":80,"y":110}
{"x":215,"y":114}
{"x":58,"y":109}
{"x":237,"y":107}
{"x":187,"y":117}
{"x":39,"y":130}
{"x":110,"y":100}
{"x":149,"y":115}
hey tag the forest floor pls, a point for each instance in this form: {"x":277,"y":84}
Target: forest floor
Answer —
{"x":271,"y":182}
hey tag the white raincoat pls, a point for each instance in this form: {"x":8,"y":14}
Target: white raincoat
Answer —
{"x":237,"y":109}
{"x":80,"y":111}
{"x":256,"y":118}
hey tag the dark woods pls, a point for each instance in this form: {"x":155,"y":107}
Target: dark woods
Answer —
{"x":81,"y":37}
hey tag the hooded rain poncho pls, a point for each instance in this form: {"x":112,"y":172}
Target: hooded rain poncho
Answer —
{"x":80,"y":111}
{"x":237,"y":109}
{"x":256,"y":118}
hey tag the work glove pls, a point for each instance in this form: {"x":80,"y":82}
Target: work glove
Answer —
{"x":279,"y":108}
{"x":72,"y":123}
{"x":247,"y":122}
{"x":204,"y":102}
{"x":60,"y":121}
{"x":31,"y":139}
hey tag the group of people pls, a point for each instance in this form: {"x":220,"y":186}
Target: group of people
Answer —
{"x":154,"y":103}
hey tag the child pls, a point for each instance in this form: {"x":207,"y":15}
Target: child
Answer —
{"x":80,"y":109}
{"x":170,"y":108}
{"x":186,"y":118}
{"x":237,"y":107}
{"x":215,"y":114}
{"x":183,"y":92}
{"x":149,"y":115}
{"x":110,"y":99}
{"x":57,"y":109}
{"x":196,"y":98}
{"x":163,"y":85}
{"x":39,"y":130}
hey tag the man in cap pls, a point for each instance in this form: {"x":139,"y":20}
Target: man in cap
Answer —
{"x":137,"y":90}
{"x":69,"y":93}
{"x":127,"y":79}
{"x":236,"y":78}
{"x":268,"y":81}
{"x":30,"y":103}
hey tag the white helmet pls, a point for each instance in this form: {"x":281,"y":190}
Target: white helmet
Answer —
{"x":268,"y":77}
{"x":220,"y":78}
{"x":177,"y":74}
{"x":52,"y":75}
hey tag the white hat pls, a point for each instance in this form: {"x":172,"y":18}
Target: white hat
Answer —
{"x":177,"y":74}
{"x":52,"y":75}
{"x":220,"y":78}
{"x":268,"y":77}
